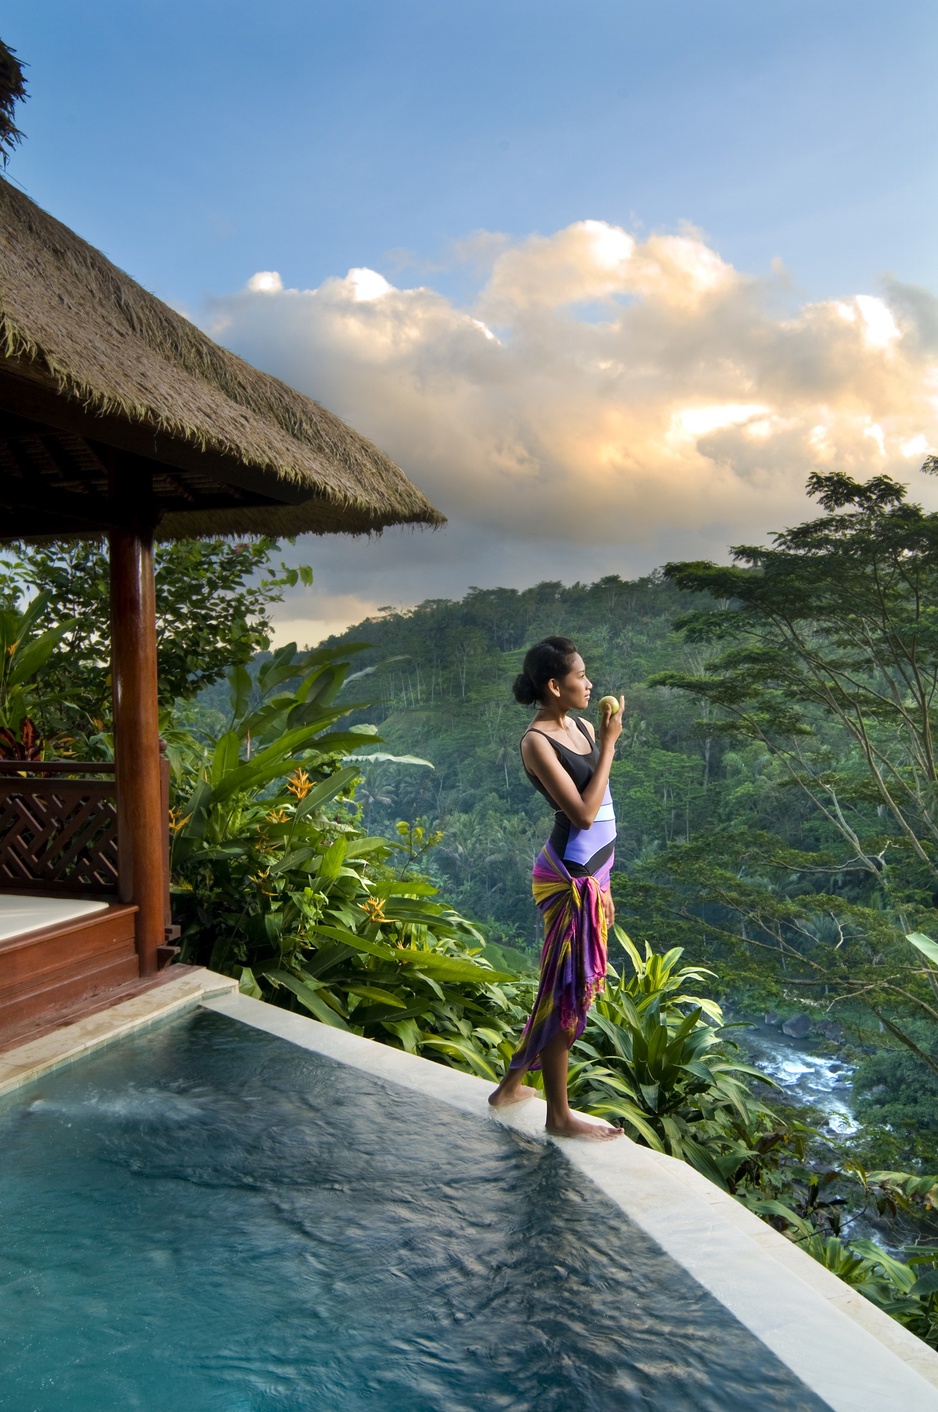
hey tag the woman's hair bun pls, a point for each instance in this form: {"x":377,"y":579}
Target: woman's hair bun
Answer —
{"x":523,"y":690}
{"x":548,"y":660}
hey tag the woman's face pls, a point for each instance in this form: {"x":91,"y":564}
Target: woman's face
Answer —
{"x":575,"y":687}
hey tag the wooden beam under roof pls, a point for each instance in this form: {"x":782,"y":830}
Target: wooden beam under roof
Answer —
{"x":42,"y":403}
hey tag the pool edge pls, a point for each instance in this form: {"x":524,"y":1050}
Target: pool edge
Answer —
{"x":804,"y":1314}
{"x":845,"y":1350}
{"x":36,"y":1057}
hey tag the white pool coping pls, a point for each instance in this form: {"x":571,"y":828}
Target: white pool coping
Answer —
{"x":63,"y":1046}
{"x":850,"y":1354}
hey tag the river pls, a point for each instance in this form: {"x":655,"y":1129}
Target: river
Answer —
{"x":822,"y":1080}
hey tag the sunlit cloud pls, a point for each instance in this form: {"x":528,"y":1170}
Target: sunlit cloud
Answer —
{"x":605,"y":398}
{"x":694,"y":422}
{"x":321,"y":616}
{"x":265,"y":282}
{"x":367,"y":284}
{"x":880,"y":329}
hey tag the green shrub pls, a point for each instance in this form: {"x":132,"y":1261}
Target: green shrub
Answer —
{"x":276,"y":882}
{"x":655,"y":1057}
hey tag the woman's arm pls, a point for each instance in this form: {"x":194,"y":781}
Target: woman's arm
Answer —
{"x":540,"y":759}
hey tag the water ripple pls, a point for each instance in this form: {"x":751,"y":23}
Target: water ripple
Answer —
{"x":205,"y":1217}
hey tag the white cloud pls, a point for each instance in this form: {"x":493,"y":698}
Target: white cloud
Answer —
{"x":694,"y":422}
{"x":875,"y":432}
{"x":607,"y":403}
{"x":367,"y":284}
{"x":310,"y":616}
{"x":881,"y":328}
{"x":265,"y":282}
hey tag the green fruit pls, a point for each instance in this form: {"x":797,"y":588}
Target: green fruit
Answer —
{"x":611,"y":701}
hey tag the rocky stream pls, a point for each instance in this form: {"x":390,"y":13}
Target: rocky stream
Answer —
{"x":789,"y":1052}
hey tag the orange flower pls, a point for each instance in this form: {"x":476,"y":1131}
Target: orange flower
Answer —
{"x":299,"y":783}
{"x":262,"y":882}
{"x":373,"y":907}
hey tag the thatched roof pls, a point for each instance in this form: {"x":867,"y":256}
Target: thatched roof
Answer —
{"x":98,"y":377}
{"x":12,"y":91}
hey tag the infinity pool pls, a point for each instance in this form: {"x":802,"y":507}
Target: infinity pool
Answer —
{"x":206,"y":1217}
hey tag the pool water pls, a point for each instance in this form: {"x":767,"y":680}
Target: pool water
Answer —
{"x":205,"y":1217}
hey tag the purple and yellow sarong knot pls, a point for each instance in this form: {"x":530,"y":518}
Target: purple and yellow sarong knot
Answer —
{"x":573,"y":961}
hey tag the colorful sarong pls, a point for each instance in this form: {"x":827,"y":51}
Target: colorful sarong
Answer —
{"x":573,"y":961}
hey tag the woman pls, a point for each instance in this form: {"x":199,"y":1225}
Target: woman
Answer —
{"x":564,"y":761}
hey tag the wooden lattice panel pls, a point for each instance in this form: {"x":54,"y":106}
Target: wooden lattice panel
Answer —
{"x":58,"y":835}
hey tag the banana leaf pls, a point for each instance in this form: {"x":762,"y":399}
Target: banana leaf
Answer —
{"x":471,"y":1056}
{"x":403,"y":888}
{"x":324,"y":791}
{"x":381,"y":757}
{"x":368,"y":1017}
{"x":268,"y":764}
{"x":27,"y":661}
{"x":247,"y":985}
{"x":325,"y":958}
{"x":925,"y":1284}
{"x":331,"y":861}
{"x":448,"y":968}
{"x":925,"y":945}
{"x":240,"y":688}
{"x":359,"y":943}
{"x":767,"y":1207}
{"x":307,"y":996}
{"x":406,"y":1031}
{"x":374,"y":992}
{"x":898,"y":1273}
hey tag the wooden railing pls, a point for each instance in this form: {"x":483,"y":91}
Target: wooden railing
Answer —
{"x":58,"y":828}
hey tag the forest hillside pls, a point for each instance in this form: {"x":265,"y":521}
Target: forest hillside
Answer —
{"x":775,"y":786}
{"x":442,"y":676}
{"x":758,"y":844}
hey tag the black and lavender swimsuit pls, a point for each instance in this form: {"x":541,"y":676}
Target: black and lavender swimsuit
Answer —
{"x":583,"y":851}
{"x":570,"y":882}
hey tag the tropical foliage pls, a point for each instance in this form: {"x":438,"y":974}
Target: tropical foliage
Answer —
{"x":213,"y":600}
{"x":905,"y":1288}
{"x":823,"y":652}
{"x":656,"y":1058}
{"x":277,"y":882}
{"x":314,"y":864}
{"x":764,"y":735}
{"x":27,"y":657}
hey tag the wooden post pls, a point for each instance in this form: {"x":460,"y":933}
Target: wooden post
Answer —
{"x":164,"y":815}
{"x":140,"y":821}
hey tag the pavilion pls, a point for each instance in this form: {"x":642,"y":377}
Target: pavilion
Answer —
{"x":119,"y":418}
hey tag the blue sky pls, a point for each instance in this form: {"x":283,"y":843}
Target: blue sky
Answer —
{"x":200,"y":143}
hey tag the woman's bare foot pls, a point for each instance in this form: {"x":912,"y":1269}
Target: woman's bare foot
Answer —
{"x":511,"y":1090}
{"x":592,"y":1128}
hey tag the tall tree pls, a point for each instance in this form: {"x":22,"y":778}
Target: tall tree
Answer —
{"x":836,"y":622}
{"x":213,"y":599}
{"x":828,"y":660}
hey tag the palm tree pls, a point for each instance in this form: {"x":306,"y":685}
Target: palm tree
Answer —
{"x":506,"y":754}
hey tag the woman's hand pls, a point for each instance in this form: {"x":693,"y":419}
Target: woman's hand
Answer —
{"x":610,"y":727}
